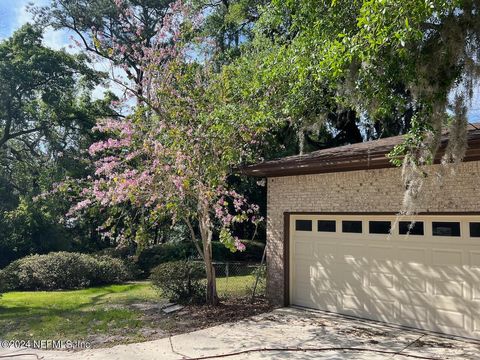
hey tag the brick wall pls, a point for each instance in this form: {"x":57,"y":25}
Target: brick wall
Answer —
{"x":366,"y":190}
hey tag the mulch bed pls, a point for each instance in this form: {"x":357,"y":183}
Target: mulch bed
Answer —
{"x":158,"y":325}
{"x":231,"y":310}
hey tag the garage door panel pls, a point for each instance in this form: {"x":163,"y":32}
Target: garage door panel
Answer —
{"x":350,"y":282}
{"x":325,"y":285}
{"x":382,"y":309}
{"x":380,"y":253}
{"x":321,"y":248}
{"x":381,"y":280}
{"x":309,"y":296}
{"x":350,"y":253}
{"x":423,"y":271}
{"x":425,"y":281}
{"x":445,"y":303}
{"x":319,"y":272}
{"x":475,"y":292}
{"x":448,"y":319}
{"x":353,"y":305}
{"x":311,"y":273}
{"x":447,"y":257}
{"x":379,"y":266}
{"x":351,"y":288}
{"x":474,"y":257}
{"x":304,"y":249}
{"x":326,"y":299}
{"x":412,"y":255}
{"x":302,"y":272}
{"x":415,"y":314}
{"x":449,"y":288}
{"x":476,"y":324}
{"x":303,"y":292}
{"x":415,"y":284}
{"x":415,"y":299}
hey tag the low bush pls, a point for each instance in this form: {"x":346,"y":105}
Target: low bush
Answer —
{"x":126,"y":255}
{"x":180,"y":281}
{"x":63,"y":270}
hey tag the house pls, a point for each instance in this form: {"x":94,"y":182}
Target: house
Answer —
{"x":329,"y":245}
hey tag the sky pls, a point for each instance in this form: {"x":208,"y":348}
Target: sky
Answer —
{"x":13,"y":14}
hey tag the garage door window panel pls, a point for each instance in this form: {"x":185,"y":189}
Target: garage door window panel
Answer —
{"x":379,"y":227}
{"x":409,"y":228}
{"x":352,"y":226}
{"x":475,"y":229}
{"x":445,"y":228}
{"x":303,"y":225}
{"x":326,"y":226}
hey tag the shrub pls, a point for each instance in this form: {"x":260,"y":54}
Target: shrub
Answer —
{"x":123,"y":253}
{"x":63,"y":270}
{"x":110,"y":271}
{"x":181,"y":281}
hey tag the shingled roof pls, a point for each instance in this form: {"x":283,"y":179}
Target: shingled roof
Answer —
{"x":360,"y":156}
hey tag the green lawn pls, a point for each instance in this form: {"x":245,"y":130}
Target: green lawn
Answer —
{"x":235,"y":286}
{"x":96,"y":311}
{"x":73,"y":314}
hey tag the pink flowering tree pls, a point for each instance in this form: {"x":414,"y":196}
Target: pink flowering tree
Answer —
{"x":173,"y":155}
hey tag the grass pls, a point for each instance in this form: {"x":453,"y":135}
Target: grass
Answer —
{"x":73,"y":314}
{"x":99,"y":311}
{"x":235,"y":286}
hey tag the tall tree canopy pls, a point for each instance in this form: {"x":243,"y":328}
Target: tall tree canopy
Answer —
{"x":120,"y":31}
{"x":227,"y":24}
{"x":38,"y":109}
{"x":397,"y":66}
{"x":45,"y":119}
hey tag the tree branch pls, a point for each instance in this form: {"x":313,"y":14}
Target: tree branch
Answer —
{"x":193,"y":237}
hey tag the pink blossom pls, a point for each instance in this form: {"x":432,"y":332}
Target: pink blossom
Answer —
{"x":239,"y":245}
{"x":79,"y":206}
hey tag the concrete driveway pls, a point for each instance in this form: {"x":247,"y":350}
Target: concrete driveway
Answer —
{"x":283,"y":332}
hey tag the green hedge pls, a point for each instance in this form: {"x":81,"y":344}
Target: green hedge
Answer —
{"x":159,"y":254}
{"x":63,"y":270}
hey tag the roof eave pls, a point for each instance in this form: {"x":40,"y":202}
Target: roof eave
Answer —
{"x":366,"y":161}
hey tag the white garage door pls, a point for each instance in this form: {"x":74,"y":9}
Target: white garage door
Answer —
{"x":428,"y":279}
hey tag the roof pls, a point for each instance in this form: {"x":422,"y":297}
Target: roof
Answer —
{"x":360,"y":156}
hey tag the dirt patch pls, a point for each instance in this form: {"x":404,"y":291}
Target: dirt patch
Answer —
{"x":155,"y":324}
{"x":285,"y":319}
{"x":433,"y":344}
{"x":362,"y":332}
{"x":196,"y":317}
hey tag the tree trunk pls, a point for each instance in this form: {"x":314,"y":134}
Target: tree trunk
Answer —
{"x":212,"y":298}
{"x":206,"y":234}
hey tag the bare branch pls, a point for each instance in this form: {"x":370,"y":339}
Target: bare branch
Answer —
{"x":193,"y":237}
